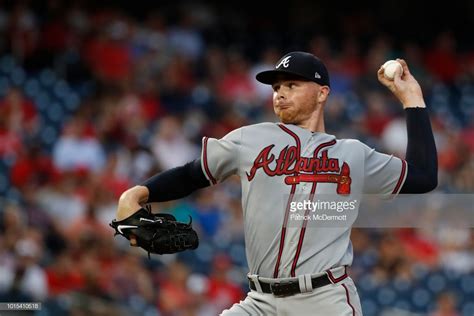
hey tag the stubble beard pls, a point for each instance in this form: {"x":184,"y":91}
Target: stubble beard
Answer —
{"x":288,"y":117}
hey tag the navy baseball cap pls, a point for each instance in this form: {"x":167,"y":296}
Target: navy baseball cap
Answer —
{"x":299,"y":64}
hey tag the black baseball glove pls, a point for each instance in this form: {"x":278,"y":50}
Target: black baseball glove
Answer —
{"x":156,"y":233}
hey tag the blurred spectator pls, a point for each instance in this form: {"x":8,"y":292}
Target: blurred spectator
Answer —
{"x":108,"y":53}
{"x":95,"y":279}
{"x":25,"y":279}
{"x":455,"y":256}
{"x":441,"y":60}
{"x":134,"y":162}
{"x":78,"y":148}
{"x":320,"y":46}
{"x":445,"y":305}
{"x":18,"y":123}
{"x":364,"y":250}
{"x":32,"y":167}
{"x":170,"y":146}
{"x":391,"y":263}
{"x":174,"y":295}
{"x":413,"y":54}
{"x":63,"y":275}
{"x":61,"y":201}
{"x":88,"y":225}
{"x":463,"y":180}
{"x":236,"y":86}
{"x":378,"y":114}
{"x":232,"y":222}
{"x":111,"y":180}
{"x":14,"y":225}
{"x":19,"y":112}
{"x":394,"y":137}
{"x":176,"y":88}
{"x":130,"y":282}
{"x":269,"y":58}
{"x":7,"y":265}
{"x":223,"y":292}
{"x":380,"y":50}
{"x":346,"y":67}
{"x":185,"y":39}
{"x":10,"y":141}
{"x":417,"y":247}
{"x":23,"y":31}
{"x":351,"y":63}
{"x":452,"y":151}
{"x":199,"y":285}
{"x":208,"y":213}
{"x":55,"y":33}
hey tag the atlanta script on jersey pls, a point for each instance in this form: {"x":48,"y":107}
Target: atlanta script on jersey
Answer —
{"x":281,"y":163}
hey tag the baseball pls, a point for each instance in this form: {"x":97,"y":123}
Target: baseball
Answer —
{"x":390,"y":67}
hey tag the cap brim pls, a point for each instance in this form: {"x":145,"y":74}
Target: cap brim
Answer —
{"x":270,"y":76}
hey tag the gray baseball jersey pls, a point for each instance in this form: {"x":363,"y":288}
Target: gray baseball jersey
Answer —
{"x":278,"y":163}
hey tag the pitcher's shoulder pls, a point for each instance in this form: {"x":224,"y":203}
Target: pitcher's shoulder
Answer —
{"x":264,"y":126}
{"x":351,"y":142}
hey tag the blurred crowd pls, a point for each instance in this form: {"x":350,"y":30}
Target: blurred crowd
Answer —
{"x":93,"y":101}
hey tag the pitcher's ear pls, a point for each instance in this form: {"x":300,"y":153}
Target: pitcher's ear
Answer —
{"x":323,"y":93}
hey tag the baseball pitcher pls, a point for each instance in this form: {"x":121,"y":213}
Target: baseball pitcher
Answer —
{"x":294,"y":269}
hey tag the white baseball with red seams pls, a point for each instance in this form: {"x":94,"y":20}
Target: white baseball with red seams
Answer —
{"x":278,"y":164}
{"x":390,"y":67}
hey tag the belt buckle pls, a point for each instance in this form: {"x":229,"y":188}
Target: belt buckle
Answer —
{"x":281,"y":289}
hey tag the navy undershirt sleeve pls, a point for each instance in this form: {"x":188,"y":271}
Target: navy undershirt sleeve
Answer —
{"x":176,"y":183}
{"x":421,"y":156}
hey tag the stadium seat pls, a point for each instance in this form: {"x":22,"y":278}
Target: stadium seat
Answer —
{"x":32,"y":88}
{"x":386,"y":296}
{"x":47,"y":78}
{"x":421,"y":297}
{"x":237,"y":253}
{"x":4,"y":85}
{"x":436,"y":282}
{"x":468,"y":308}
{"x":18,"y":76}
{"x":369,"y":307}
{"x":7,"y":64}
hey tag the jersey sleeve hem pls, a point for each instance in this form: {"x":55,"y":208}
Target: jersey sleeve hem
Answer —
{"x":402,"y":178}
{"x":204,"y":163}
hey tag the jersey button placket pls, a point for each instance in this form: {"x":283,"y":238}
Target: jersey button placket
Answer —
{"x":307,"y":153}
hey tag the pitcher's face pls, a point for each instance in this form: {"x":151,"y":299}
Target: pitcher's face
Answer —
{"x":294,"y":101}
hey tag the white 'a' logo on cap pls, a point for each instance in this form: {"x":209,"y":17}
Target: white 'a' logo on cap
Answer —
{"x":285,"y":62}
